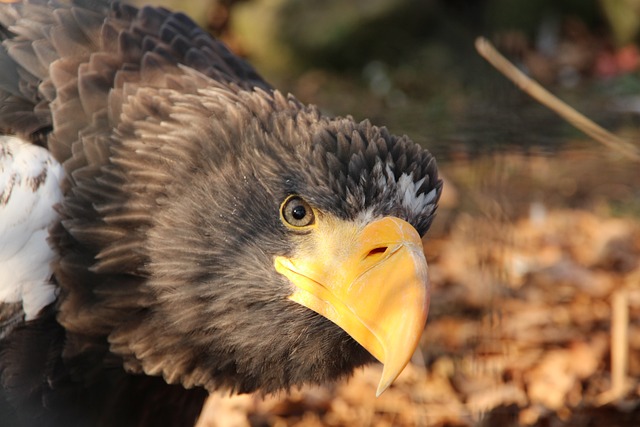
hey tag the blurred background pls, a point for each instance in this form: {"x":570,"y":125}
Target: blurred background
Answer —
{"x":535,"y":254}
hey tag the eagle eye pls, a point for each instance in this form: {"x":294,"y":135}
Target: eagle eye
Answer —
{"x":296,"y":212}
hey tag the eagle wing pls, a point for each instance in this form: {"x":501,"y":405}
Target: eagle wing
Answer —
{"x":65,"y":73}
{"x":29,"y":189}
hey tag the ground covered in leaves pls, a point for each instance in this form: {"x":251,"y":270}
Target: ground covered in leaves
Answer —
{"x":535,"y":320}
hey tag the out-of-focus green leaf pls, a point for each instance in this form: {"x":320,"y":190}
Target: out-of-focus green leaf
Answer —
{"x":623,"y":17}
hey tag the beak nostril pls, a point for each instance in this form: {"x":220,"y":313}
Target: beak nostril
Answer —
{"x":377,"y":251}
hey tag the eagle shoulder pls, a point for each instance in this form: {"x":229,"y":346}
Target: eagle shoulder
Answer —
{"x":29,"y":190}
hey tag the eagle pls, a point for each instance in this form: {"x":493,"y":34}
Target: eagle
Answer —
{"x":172,"y":226}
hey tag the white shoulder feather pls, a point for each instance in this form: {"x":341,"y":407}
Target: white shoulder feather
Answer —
{"x":30,"y":181}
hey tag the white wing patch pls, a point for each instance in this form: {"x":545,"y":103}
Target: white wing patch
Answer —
{"x":29,"y":189}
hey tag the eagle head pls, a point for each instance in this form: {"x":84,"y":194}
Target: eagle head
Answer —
{"x":285,"y":250}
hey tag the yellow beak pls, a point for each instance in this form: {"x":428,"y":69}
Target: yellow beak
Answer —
{"x":371,"y":281}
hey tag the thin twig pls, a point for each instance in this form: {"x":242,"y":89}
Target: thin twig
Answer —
{"x":619,"y":348}
{"x":619,"y":340}
{"x":546,"y":98}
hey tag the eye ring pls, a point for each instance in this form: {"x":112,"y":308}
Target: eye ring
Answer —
{"x":295,"y":212}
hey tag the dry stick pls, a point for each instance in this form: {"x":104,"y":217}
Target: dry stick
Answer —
{"x":619,"y":341}
{"x":546,"y":98}
{"x":619,"y":348}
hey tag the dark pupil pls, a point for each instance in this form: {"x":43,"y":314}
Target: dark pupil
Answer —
{"x":298,"y":212}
